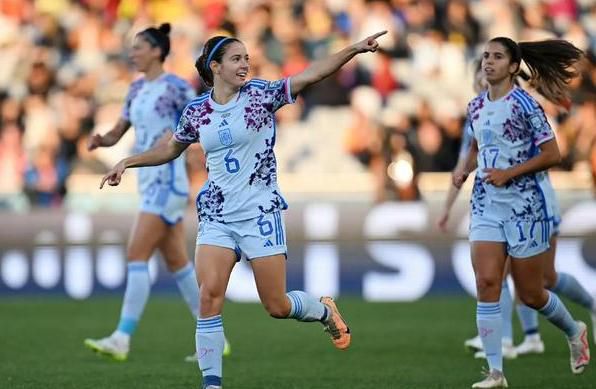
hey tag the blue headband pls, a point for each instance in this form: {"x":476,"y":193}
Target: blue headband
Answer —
{"x":210,"y":57}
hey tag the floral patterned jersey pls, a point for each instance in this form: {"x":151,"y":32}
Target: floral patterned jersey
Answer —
{"x":238,"y":139}
{"x":153,"y":108}
{"x":509,"y":131}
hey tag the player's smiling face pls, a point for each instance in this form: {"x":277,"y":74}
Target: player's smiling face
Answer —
{"x":234,"y":66}
{"x":496,"y":64}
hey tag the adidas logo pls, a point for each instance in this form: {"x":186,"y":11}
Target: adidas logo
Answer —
{"x":487,"y":123}
{"x":268,"y":244}
{"x":224,"y":123}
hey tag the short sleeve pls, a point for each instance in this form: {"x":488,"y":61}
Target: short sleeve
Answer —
{"x":186,"y":132}
{"x":276,"y":93}
{"x":538,"y":125}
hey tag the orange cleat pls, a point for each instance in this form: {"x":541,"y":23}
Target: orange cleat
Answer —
{"x":336,"y":326}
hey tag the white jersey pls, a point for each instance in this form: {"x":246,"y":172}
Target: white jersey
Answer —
{"x":509,"y":131}
{"x":238,"y":139}
{"x":153,"y":108}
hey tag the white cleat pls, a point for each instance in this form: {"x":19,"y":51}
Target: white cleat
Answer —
{"x":494,"y":379}
{"x":530,"y":345}
{"x":110,"y":346}
{"x":213,"y":387}
{"x":226,"y":352}
{"x":474,"y":344}
{"x":579,"y":349}
{"x":508,"y":351}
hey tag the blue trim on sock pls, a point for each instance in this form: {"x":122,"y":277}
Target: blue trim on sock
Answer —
{"x":550,"y":306}
{"x":210,"y":320}
{"x":296,"y":309}
{"x":127,"y":325}
{"x":137,"y":266}
{"x":211,"y":380}
{"x":210,"y":325}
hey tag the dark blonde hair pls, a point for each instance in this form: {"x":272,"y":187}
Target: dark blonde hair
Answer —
{"x":552,"y":64}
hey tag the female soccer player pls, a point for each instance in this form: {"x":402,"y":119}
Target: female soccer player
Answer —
{"x":509,"y":214}
{"x":153,"y":105}
{"x":241,"y":204}
{"x":561,"y":283}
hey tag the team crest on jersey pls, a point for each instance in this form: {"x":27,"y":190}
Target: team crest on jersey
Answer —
{"x":225,"y":136}
{"x":487,"y":136}
{"x":536,"y":121}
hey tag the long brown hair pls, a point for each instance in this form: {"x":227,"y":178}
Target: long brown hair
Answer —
{"x":552,"y":64}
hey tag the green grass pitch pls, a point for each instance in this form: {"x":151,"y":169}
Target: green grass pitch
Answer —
{"x":407,"y":345}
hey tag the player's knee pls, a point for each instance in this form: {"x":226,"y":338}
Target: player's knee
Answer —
{"x":488,"y":286}
{"x":550,"y":280}
{"x":176,"y":264}
{"x":278,"y":309}
{"x":211,"y":301}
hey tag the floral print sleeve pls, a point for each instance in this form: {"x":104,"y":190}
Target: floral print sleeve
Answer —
{"x":186,"y":132}
{"x":276,"y":94}
{"x":538,"y":125}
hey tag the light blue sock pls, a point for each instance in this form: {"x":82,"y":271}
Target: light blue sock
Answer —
{"x":188,"y":287}
{"x":210,"y":344}
{"x":556,"y":312}
{"x":567,"y":286}
{"x":305,"y":307}
{"x":506,"y":304}
{"x":490,"y":321}
{"x":528,"y":318}
{"x":138,"y":286}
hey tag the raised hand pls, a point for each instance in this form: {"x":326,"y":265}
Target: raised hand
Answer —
{"x":94,"y":142}
{"x":370,"y":43}
{"x":114,"y":176}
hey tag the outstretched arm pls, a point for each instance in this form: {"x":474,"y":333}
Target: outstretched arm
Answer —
{"x":158,"y":155}
{"x":111,"y":137}
{"x":323,"y":68}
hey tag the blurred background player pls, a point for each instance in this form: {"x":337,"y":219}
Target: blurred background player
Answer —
{"x":509,"y":215}
{"x":241,"y":204}
{"x":153,"y":105}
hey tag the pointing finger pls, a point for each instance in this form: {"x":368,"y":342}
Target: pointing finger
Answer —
{"x":378,"y":34}
{"x":103,"y":181}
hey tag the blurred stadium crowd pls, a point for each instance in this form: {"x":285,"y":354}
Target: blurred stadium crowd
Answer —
{"x":65,"y":74}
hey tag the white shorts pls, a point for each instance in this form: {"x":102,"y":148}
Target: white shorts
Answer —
{"x":165,"y":202}
{"x":258,"y":237}
{"x":523,"y":238}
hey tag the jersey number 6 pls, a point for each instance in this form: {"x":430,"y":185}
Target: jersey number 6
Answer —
{"x":232,"y":164}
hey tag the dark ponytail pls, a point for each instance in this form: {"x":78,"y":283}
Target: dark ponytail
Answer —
{"x":552,"y":64}
{"x":213,"y":51}
{"x":158,"y":37}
